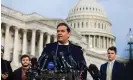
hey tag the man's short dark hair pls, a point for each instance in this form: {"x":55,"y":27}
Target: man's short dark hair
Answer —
{"x":24,"y":56}
{"x":64,"y":24}
{"x":113,"y":48}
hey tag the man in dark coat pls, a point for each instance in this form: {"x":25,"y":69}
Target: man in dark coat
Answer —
{"x":20,"y":73}
{"x":112,"y":70}
{"x":129,"y":71}
{"x":6,"y":70}
{"x":63,"y":48}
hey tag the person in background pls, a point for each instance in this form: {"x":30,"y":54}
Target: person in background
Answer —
{"x":20,"y":73}
{"x":112,"y":69}
{"x":129,"y":70}
{"x":6,"y":70}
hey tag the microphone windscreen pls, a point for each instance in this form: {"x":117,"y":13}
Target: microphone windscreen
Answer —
{"x":93,"y":70}
{"x":51,"y":66}
{"x":93,"y":67}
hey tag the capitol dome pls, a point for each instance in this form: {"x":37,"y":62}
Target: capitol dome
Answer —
{"x":89,"y":19}
{"x":87,"y":7}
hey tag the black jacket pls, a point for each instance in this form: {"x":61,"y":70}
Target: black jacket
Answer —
{"x":17,"y":74}
{"x":117,"y":71}
{"x":6,"y":67}
{"x":73,"y":50}
{"x":129,"y":70}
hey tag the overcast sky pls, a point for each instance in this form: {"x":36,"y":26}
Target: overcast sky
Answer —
{"x":119,"y":12}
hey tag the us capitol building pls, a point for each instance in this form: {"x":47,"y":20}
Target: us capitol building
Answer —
{"x":29,"y":33}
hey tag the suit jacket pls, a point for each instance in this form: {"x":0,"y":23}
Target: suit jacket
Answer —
{"x":6,"y":67}
{"x":117,"y":71}
{"x":129,"y":70}
{"x":74,"y":50}
{"x":17,"y":74}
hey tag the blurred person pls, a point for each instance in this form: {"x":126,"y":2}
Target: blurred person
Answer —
{"x":129,"y":70}
{"x":6,"y":70}
{"x":20,"y":73}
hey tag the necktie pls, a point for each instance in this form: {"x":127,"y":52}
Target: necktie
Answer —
{"x":109,"y":71}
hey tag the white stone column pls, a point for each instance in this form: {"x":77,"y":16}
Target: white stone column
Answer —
{"x":24,"y":50}
{"x":104,"y":42}
{"x":91,"y":41}
{"x":41,"y":43}
{"x":15,"y":51}
{"x":6,"y":47}
{"x":33,"y":42}
{"x":88,"y":41}
{"x":110,"y":42}
{"x":94,"y":41}
{"x":113,"y":42}
{"x":99,"y":42}
{"x":48,"y":38}
{"x":107,"y":42}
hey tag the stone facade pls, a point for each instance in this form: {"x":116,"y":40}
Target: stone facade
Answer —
{"x":29,"y":33}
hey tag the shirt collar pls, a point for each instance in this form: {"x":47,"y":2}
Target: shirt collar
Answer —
{"x":63,"y":44}
{"x":111,"y":61}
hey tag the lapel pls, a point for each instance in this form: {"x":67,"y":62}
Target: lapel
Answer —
{"x":114,"y":69}
{"x":105,"y":67}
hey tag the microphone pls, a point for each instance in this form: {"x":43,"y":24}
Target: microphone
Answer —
{"x":65,"y":63}
{"x":73,"y":62}
{"x":93,"y":70}
{"x":83,"y":67}
{"x":44,"y":63}
{"x":40,"y":59}
{"x":55,"y":60}
{"x":51,"y":66}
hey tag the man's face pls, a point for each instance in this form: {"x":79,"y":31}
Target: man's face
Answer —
{"x":62,"y":34}
{"x":111,"y":55}
{"x":25,"y":62}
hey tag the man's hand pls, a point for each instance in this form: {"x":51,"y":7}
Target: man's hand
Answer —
{"x":4,"y":76}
